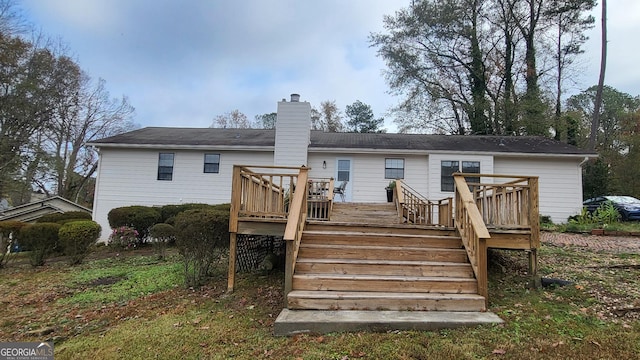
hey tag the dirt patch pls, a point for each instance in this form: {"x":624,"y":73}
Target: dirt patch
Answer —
{"x":612,"y":244}
{"x":107,"y":280}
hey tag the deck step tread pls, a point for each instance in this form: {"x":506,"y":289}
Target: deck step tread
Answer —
{"x":380,"y":234}
{"x":395,"y":278}
{"x":348,"y":295}
{"x":380,"y":247}
{"x":381,"y":262}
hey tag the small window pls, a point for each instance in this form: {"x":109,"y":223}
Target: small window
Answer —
{"x":394,"y":168}
{"x":165,"y":166}
{"x":212,"y":163}
{"x":344,"y":167}
{"x":447,"y":168}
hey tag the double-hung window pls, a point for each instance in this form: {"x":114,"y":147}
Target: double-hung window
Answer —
{"x":211,"y":163}
{"x":165,"y":166}
{"x":394,"y":168}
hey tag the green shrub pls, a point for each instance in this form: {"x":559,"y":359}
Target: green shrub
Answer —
{"x":162,"y":235}
{"x":77,"y":237}
{"x":170,"y":211}
{"x":140,"y":218}
{"x":41,"y":239}
{"x":605,"y":214}
{"x":124,"y":237}
{"x":9,"y":233}
{"x":200,"y":237}
{"x":64,"y":217}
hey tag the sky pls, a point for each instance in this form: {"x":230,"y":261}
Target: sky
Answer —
{"x":181,"y":63}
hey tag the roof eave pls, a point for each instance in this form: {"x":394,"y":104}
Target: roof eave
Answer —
{"x":182,"y":147}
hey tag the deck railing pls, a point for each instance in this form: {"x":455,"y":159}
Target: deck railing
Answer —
{"x":510,"y":202}
{"x":473,"y":232}
{"x":416,"y":209}
{"x":320,"y":199}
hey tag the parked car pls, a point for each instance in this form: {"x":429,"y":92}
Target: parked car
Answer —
{"x":627,"y":206}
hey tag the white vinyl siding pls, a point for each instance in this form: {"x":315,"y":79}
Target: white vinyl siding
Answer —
{"x":292,"y":133}
{"x":560,"y":183}
{"x":368,"y":173}
{"x":129,"y":177}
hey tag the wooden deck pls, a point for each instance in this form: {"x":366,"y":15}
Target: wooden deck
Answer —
{"x":417,"y":255}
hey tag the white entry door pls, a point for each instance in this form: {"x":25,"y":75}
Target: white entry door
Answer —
{"x":343,"y":173}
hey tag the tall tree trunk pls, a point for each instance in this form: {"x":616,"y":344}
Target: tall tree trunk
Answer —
{"x":595,"y":123}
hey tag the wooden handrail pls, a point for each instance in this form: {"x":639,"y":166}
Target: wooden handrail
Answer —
{"x":474,"y":233}
{"x":295,"y":226}
{"x":416,"y":209}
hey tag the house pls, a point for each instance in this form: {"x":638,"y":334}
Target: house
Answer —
{"x":155,"y":166}
{"x":34,"y":210}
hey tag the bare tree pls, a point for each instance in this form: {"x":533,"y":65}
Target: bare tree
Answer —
{"x":234,"y":120}
{"x":595,"y":124}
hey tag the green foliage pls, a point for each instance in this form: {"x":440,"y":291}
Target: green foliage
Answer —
{"x":41,"y":239}
{"x":65,"y":217}
{"x":595,"y":179}
{"x":77,"y":237}
{"x":361,"y":118}
{"x":162,"y":235}
{"x":140,"y":218}
{"x":200,"y":235}
{"x":167,"y":212}
{"x":604,"y":215}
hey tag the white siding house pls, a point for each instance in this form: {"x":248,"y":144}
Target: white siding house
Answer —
{"x":158,"y":166}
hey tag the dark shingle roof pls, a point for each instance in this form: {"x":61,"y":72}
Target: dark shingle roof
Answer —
{"x":184,"y":137}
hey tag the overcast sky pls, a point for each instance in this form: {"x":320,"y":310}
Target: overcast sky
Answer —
{"x":183,"y":62}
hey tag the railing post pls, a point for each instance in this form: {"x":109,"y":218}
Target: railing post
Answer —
{"x":483,"y":276}
{"x":534,"y":221}
{"x":236,"y":191}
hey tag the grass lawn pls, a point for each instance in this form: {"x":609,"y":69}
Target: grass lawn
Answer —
{"x":134,"y":307}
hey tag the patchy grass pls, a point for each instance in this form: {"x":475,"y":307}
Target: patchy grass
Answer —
{"x":596,"y":317}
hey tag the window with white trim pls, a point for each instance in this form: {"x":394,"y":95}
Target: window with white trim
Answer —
{"x":211,"y":163}
{"x":394,"y":168}
{"x":165,"y":166}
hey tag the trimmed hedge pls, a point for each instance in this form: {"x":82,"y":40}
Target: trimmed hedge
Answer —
{"x":200,"y":234}
{"x":41,"y":239}
{"x":77,"y":237}
{"x":162,"y":235}
{"x":170,"y":211}
{"x":64,"y":217}
{"x":141,"y":218}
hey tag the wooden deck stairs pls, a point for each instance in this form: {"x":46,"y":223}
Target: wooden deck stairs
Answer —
{"x":391,"y":267}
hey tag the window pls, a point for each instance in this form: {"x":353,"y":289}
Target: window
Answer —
{"x":394,"y":168}
{"x":212,"y":163}
{"x":471,"y":167}
{"x":344,"y":167}
{"x":447,"y":168}
{"x":165,"y":166}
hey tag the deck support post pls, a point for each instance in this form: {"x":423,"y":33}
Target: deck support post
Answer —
{"x":233,"y":242}
{"x":535,"y":282}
